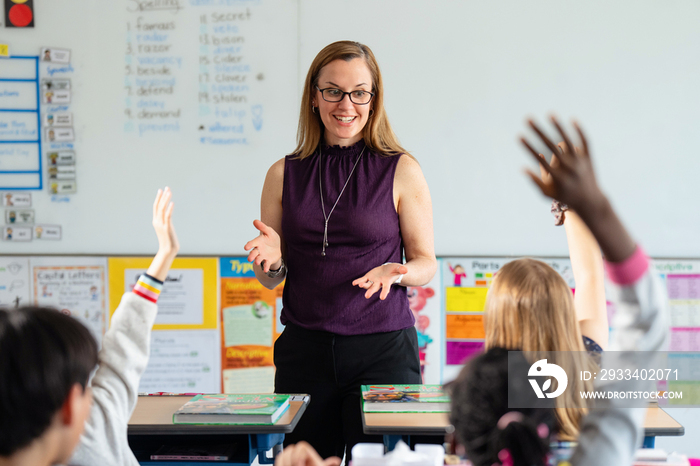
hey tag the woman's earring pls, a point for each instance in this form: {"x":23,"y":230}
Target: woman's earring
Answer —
{"x":371,"y":112}
{"x":313,"y":109}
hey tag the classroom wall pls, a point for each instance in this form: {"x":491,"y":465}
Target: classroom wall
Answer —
{"x":460,"y":78}
{"x":624,"y":69}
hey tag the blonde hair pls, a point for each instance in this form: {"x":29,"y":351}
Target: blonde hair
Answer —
{"x":530,"y":307}
{"x":377,"y":133}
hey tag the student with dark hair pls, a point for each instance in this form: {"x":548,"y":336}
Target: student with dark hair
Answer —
{"x":45,"y":363}
{"x":483,"y":423}
{"x":47,"y":357}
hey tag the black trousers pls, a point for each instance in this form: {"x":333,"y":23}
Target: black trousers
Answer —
{"x":331,"y":369}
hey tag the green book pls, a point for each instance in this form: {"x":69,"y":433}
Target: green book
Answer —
{"x":404,"y":399}
{"x":232,"y":409}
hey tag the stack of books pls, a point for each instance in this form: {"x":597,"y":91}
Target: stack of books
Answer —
{"x":404,"y":399}
{"x":232,"y":409}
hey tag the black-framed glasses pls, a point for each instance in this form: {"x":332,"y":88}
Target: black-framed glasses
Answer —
{"x":333,"y":94}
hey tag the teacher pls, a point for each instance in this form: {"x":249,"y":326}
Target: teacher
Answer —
{"x":337,"y":218}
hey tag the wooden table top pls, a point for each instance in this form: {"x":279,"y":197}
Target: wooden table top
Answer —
{"x":154,"y":415}
{"x":657,"y":423}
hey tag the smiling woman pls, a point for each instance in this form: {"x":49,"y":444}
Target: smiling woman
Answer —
{"x":338,"y":217}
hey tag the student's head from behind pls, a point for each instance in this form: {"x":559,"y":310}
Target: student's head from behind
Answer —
{"x":344,"y":66}
{"x":46,"y":361}
{"x":530,"y":307}
{"x":485,"y":426}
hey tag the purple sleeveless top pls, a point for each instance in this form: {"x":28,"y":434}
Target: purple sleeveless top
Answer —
{"x":363,"y":233}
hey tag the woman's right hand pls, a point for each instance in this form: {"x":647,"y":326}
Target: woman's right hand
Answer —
{"x":265,"y":248}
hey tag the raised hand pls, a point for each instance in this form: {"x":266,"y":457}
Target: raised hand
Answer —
{"x":168,"y":245}
{"x":571,"y":180}
{"x":303,"y":454}
{"x":381,"y":277}
{"x":162,"y":222}
{"x":265,"y":248}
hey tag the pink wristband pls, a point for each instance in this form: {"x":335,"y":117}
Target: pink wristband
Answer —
{"x":629,"y":271}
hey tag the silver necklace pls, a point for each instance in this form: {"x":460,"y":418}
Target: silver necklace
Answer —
{"x":323,"y":207}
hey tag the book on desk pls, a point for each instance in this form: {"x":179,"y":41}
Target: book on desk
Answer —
{"x":232,"y":409}
{"x":404,"y":399}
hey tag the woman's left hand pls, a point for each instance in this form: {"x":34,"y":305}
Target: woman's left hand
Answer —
{"x":380,"y":277}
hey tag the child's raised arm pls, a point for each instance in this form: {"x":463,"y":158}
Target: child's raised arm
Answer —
{"x":611,"y":431}
{"x":587,"y":266}
{"x":168,"y":246}
{"x":125,"y":351}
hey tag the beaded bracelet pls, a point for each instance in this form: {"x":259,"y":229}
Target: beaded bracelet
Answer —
{"x":558,"y":210}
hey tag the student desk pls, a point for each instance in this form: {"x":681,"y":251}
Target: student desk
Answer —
{"x":394,"y":425}
{"x":151,"y":425}
{"x":659,"y":423}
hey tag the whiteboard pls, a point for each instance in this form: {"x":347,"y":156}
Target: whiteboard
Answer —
{"x":460,"y":78}
{"x":197,"y":95}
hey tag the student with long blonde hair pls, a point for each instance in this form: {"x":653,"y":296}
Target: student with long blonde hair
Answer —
{"x":337,"y":217}
{"x":530,"y":307}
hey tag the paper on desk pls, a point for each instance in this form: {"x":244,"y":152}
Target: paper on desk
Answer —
{"x":368,"y":454}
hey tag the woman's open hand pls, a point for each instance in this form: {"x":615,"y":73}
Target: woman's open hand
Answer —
{"x":265,"y":248}
{"x":381,"y":277}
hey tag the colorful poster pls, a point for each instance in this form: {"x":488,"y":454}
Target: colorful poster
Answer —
{"x":465,"y":327}
{"x":14,"y":281}
{"x":184,"y":354}
{"x":466,"y":282}
{"x":682,"y":282}
{"x":188,"y":299}
{"x":182,"y":362}
{"x":465,"y":299}
{"x":425,"y":302}
{"x":459,"y":351}
{"x":249,"y":315}
{"x":181,"y":301}
{"x":75,"y":285}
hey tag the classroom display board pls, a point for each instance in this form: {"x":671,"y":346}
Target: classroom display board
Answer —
{"x":77,"y":286}
{"x":217,"y":325}
{"x":466,"y":281}
{"x":101,"y":103}
{"x":249,"y":328}
{"x":184,"y":343}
